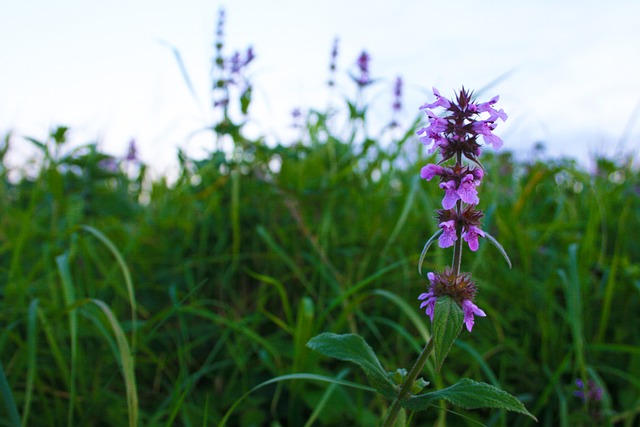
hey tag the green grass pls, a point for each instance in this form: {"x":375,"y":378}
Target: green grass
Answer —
{"x":128,"y":300}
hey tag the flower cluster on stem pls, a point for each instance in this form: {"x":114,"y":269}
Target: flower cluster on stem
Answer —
{"x":455,"y":137}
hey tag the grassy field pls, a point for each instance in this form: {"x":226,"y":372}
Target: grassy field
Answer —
{"x":127,"y":300}
{"x":131,"y":300}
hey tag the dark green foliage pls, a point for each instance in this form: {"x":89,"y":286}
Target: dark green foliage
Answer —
{"x":250,"y":253}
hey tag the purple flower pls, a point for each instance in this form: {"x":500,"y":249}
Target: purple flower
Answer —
{"x":428,"y":300}
{"x":236,"y":63}
{"x":430,"y":170}
{"x":448,"y":235}
{"x":485,"y":128}
{"x":333,"y":61}
{"x":132,"y":152}
{"x":250,"y":56}
{"x":500,"y":114}
{"x":467,"y":189}
{"x":363,"y":66}
{"x":451,"y":194}
{"x":470,"y":235}
{"x":296,"y":115}
{"x":457,"y":131}
{"x":457,"y":286}
{"x":589,"y":393}
{"x":363,"y":62}
{"x":397,"y":93}
{"x":469,"y":309}
{"x":433,"y":132}
{"x":487,"y":107}
{"x":334,"y":53}
{"x":440,"y":101}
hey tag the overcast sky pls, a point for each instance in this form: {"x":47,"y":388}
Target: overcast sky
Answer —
{"x":102,"y":68}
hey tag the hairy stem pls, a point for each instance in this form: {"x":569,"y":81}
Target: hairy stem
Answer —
{"x":405,"y":388}
{"x":457,"y":248}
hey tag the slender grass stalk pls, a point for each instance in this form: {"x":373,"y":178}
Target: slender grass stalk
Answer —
{"x":611,"y":282}
{"x":69,"y":294}
{"x":32,"y":355}
{"x":126,"y":360}
{"x":9,"y":400}
{"x":127,"y":277}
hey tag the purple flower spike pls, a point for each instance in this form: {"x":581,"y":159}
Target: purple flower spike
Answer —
{"x":455,"y":135}
{"x":132,"y":152}
{"x":448,"y":235}
{"x":397,"y":94}
{"x":461,"y":125}
{"x":363,"y":65}
{"x":469,"y":309}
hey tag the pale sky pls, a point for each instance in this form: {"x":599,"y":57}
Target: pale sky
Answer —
{"x":101,"y":68}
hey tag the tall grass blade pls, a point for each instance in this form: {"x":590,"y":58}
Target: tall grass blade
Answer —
{"x":361,"y":285}
{"x":291,"y":377}
{"x":69,"y":294}
{"x":183,"y":70}
{"x":32,"y":317}
{"x":317,"y":410}
{"x":9,"y":401}
{"x":417,"y":320}
{"x":127,"y":277}
{"x":573,"y":297}
{"x":611,"y":281}
{"x":126,"y":361}
{"x":264,"y":234}
{"x":406,"y":209}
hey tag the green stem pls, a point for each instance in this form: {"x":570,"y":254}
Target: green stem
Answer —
{"x":457,"y":248}
{"x":405,"y":388}
{"x":457,"y":245}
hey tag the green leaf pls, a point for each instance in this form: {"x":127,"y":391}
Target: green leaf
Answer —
{"x":59,"y":134}
{"x":353,"y":348}
{"x":469,"y":394}
{"x":37,"y":143}
{"x":245,"y":100}
{"x":447,"y":324}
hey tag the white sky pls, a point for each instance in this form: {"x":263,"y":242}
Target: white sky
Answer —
{"x":100,"y":67}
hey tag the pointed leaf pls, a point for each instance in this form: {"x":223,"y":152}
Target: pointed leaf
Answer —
{"x":245,"y":100}
{"x":447,"y":324}
{"x":495,"y":243}
{"x":426,"y":248}
{"x":353,"y":348}
{"x":469,"y":394}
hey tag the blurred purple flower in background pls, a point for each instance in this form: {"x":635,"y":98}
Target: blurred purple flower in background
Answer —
{"x":363,"y":79}
{"x":396,"y":107}
{"x":589,"y":393}
{"x":333,"y":62}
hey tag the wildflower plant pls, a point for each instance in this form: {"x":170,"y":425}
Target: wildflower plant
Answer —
{"x":449,"y":300}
